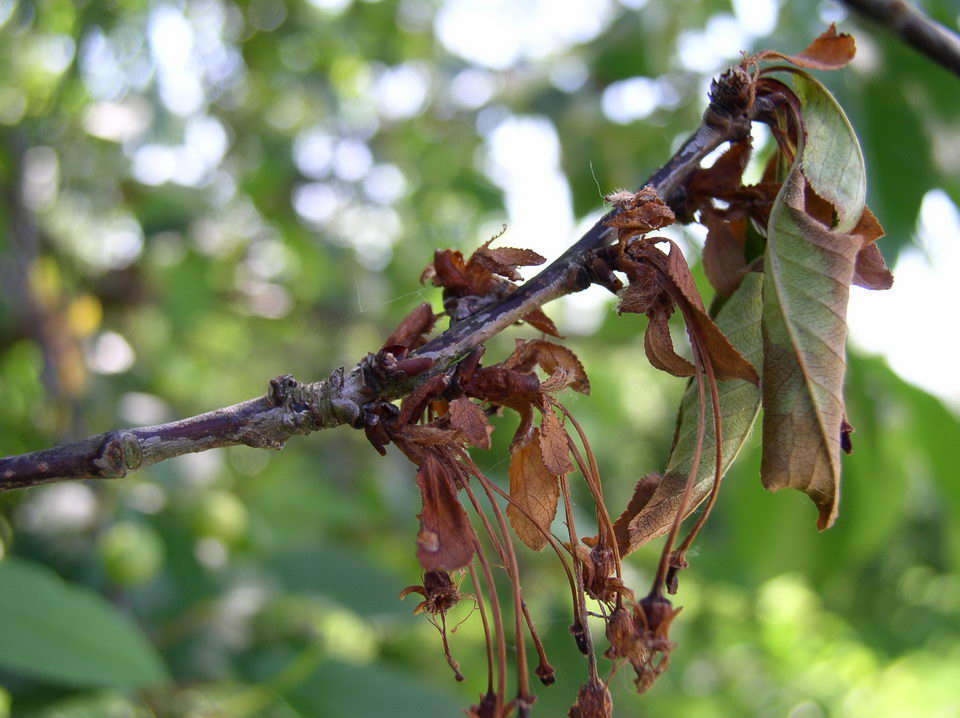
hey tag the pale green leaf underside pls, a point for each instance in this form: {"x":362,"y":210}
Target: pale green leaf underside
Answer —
{"x":808,"y":270}
{"x":832,"y":161}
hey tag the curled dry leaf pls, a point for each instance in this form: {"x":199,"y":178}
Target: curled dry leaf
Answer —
{"x":724,"y":261}
{"x":505,"y":260}
{"x":534,"y":493}
{"x":830,"y":51}
{"x":658,"y":345}
{"x":673,"y":274}
{"x":413,"y":329}
{"x":446,"y":540}
{"x":640,"y":214}
{"x":553,"y":444}
{"x":552,"y":358}
{"x":656,"y":501}
{"x":469,"y":419}
{"x":870,"y":270}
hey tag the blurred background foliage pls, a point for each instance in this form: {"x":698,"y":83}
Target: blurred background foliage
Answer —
{"x":200,"y":195}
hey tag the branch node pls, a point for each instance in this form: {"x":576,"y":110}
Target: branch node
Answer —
{"x":119,"y":451}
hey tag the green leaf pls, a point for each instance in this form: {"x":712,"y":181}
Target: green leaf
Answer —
{"x":65,"y":634}
{"x":809,"y":268}
{"x":339,"y":690}
{"x":832,"y":161}
{"x":739,"y":320}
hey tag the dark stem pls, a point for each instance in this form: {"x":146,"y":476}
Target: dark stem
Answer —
{"x":292,"y":407}
{"x":914,"y":28}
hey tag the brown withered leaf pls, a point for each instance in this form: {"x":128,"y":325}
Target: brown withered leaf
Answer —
{"x":505,"y":260}
{"x":413,"y":329}
{"x":722,"y":179}
{"x":724,"y":261}
{"x":870,"y":270}
{"x":469,"y":419}
{"x":658,"y":345}
{"x":533,"y":488}
{"x":830,"y":51}
{"x":553,"y":444}
{"x":644,"y":213}
{"x":552,"y":358}
{"x":446,"y":539}
{"x":427,"y":435}
{"x":538,"y":320}
{"x":641,"y":495}
{"x":728,"y":363}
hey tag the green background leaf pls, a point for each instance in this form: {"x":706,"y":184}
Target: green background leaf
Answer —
{"x":67,"y":634}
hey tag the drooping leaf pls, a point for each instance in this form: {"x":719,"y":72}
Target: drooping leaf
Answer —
{"x":870,"y":270}
{"x":723,"y":252}
{"x":553,"y":444}
{"x":539,"y":320}
{"x":534,"y":488}
{"x":655,"y":502}
{"x":446,"y":540}
{"x":468,"y":418}
{"x":412,"y":330}
{"x":658,"y":345}
{"x":728,"y":363}
{"x":552,"y":358}
{"x":69,"y":635}
{"x":808,"y":273}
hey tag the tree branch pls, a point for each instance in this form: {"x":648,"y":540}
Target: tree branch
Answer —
{"x":916,"y":29}
{"x":291,"y":407}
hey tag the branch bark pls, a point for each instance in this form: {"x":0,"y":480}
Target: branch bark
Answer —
{"x":291,"y":407}
{"x":916,"y":29}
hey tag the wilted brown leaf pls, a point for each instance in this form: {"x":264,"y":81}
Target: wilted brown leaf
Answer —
{"x":870,"y":270}
{"x":658,"y":345}
{"x":830,"y":51}
{"x":643,"y":213}
{"x":533,"y":488}
{"x":724,"y":261}
{"x":446,"y":540}
{"x":538,"y":320}
{"x":641,"y":495}
{"x":551,"y":358}
{"x":728,"y":363}
{"x":469,"y":419}
{"x":412,"y":330}
{"x":505,"y":260}
{"x":553,"y":444}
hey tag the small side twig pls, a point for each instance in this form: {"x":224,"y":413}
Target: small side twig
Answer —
{"x":914,"y":28}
